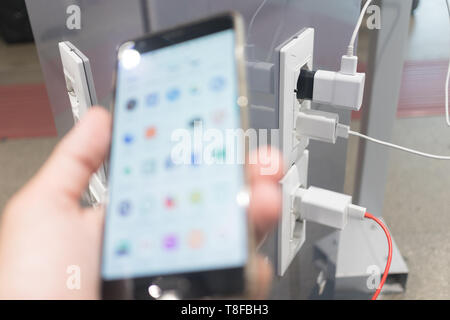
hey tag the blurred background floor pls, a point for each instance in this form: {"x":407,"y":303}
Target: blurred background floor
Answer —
{"x":417,"y":205}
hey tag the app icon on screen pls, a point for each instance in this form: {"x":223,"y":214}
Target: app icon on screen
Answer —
{"x":149,"y":166}
{"x":219,"y":154}
{"x":122,"y":248}
{"x":128,"y":138}
{"x":170,"y":242}
{"x":152,"y":99}
{"x":150,"y":132}
{"x":195,"y":159}
{"x":131,"y":104}
{"x":217,"y":83}
{"x":170,"y":202}
{"x":125,"y":208}
{"x":173,"y":94}
{"x":194,"y":90}
{"x":196,"y":239}
{"x":169,"y":164}
{"x":196,"y":197}
{"x":127,"y":170}
{"x":195,"y":122}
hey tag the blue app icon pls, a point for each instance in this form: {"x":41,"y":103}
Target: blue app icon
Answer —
{"x":152,"y":99}
{"x":128,"y":138}
{"x":169,"y":163}
{"x":173,"y":94}
{"x":217,"y":83}
{"x":195,"y":159}
{"x":125,"y":208}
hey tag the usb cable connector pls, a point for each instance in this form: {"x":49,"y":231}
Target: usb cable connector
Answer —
{"x":325,"y":207}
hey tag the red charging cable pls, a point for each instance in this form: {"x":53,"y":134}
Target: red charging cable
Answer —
{"x":388,"y":263}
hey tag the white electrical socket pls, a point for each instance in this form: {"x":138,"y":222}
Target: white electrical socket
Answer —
{"x":291,"y":230}
{"x":295,"y":55}
{"x":79,"y":80}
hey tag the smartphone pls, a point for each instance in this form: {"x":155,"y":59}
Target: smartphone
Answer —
{"x":178,"y":223}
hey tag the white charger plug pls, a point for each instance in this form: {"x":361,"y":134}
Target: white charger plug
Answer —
{"x":325,"y":207}
{"x":339,"y":89}
{"x":319,"y":125}
{"x":343,"y":89}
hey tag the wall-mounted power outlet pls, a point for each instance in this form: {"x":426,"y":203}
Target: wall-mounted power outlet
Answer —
{"x":79,"y":80}
{"x":291,"y":229}
{"x":295,"y":55}
{"x":82,"y":95}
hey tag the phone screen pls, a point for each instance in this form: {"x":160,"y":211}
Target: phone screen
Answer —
{"x":167,"y":216}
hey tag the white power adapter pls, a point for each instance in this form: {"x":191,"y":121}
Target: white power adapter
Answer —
{"x":343,"y":89}
{"x":339,"y":89}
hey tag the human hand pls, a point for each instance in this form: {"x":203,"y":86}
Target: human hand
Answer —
{"x":44,"y":230}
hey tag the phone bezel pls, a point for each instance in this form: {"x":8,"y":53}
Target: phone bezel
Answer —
{"x":216,"y":282}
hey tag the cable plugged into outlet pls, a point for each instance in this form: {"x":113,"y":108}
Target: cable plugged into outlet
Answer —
{"x":317,"y":125}
{"x":291,"y":228}
{"x":296,"y":55}
{"x":334,"y":209}
{"x":325,"y":126}
{"x":325,"y":207}
{"x":343,"y":89}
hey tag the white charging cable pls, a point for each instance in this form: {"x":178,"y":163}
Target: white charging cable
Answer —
{"x":334,"y":210}
{"x":250,"y":26}
{"x":394,"y":146}
{"x":351,"y":46}
{"x":349,"y":61}
{"x":343,"y":89}
{"x":252,"y":20}
{"x":325,"y":126}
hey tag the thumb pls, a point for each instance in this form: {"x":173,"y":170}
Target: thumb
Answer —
{"x":79,"y":154}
